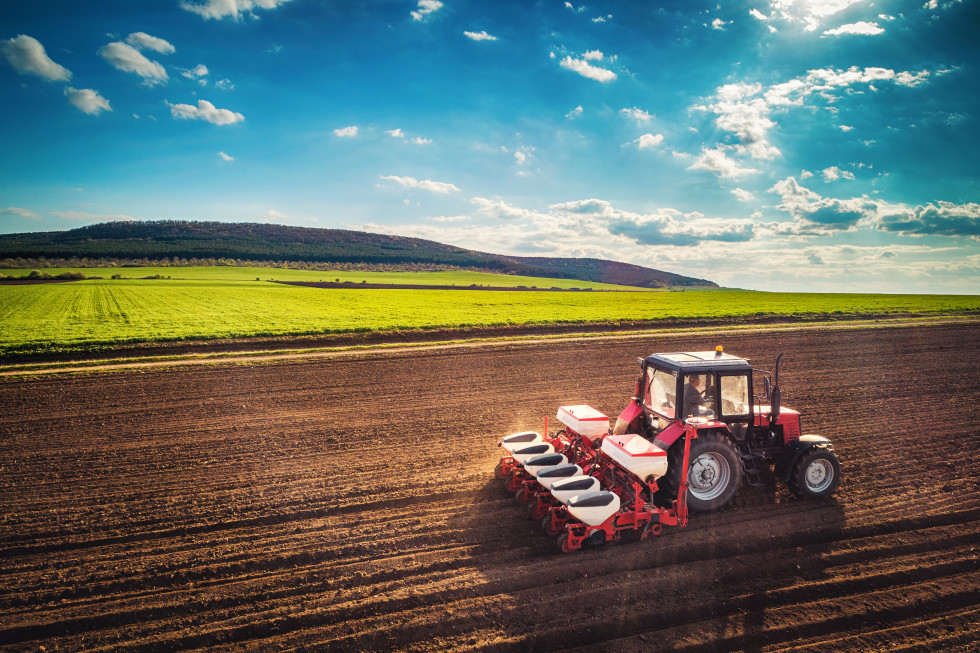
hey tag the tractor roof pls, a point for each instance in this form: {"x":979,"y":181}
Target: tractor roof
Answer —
{"x":692,"y":362}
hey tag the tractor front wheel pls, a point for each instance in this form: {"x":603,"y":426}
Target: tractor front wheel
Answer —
{"x":815,"y":475}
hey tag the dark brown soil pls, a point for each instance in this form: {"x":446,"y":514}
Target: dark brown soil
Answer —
{"x":348,"y":504}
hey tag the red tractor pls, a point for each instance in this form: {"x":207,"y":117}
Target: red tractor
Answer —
{"x":745,"y":434}
{"x":692,"y":431}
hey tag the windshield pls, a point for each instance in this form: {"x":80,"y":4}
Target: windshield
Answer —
{"x":660,"y":393}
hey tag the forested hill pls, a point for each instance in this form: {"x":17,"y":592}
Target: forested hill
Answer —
{"x":155,"y":241}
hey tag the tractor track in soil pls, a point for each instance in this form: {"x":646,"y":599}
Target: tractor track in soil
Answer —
{"x":347,"y":503}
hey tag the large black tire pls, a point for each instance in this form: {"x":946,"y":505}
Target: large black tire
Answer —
{"x":815,"y":475}
{"x":714,"y":473}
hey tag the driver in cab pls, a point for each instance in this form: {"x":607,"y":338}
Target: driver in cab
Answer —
{"x":693,"y":399}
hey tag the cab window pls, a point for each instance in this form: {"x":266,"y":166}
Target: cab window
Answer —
{"x":734,"y":395}
{"x":660,"y":394}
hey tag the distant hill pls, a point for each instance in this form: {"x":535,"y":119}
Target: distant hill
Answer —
{"x":267,"y":242}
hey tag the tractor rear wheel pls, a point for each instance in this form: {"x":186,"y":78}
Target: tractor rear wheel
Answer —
{"x":815,"y":475}
{"x":713,"y":476}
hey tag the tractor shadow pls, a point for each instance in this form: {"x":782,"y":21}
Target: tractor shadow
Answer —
{"x":726,"y":581}
{"x":773,"y":553}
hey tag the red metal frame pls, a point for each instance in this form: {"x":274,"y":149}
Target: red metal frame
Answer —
{"x":636,"y":514}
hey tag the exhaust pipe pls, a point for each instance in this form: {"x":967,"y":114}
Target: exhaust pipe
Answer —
{"x":774,"y":399}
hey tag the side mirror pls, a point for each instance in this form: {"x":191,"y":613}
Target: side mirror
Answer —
{"x":768,"y":386}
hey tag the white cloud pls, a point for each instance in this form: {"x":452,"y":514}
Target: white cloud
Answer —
{"x":648,"y":141}
{"x":661,"y":227}
{"x":27,"y":56}
{"x":143,"y":40}
{"x":719,"y":24}
{"x":932,"y":5}
{"x":128,"y":59}
{"x":422,"y":184}
{"x":584,"y":228}
{"x":742,"y":195}
{"x":226,"y":157}
{"x":347,"y":132}
{"x":198,"y":72}
{"x":815,"y":215}
{"x":575,"y":113}
{"x":480,"y":36}
{"x":824,"y":79}
{"x":585,"y":69}
{"x":745,"y":109}
{"x":793,"y":194}
{"x":809,"y":12}
{"x":717,"y":161}
{"x":87,"y":100}
{"x":737,"y":91}
{"x":498,"y":209}
{"x":272,"y":216}
{"x":639,"y":115}
{"x":205,"y":111}
{"x":833,"y":173}
{"x":862,"y":28}
{"x":224,"y":84}
{"x":523,"y":154}
{"x":218,"y":9}
{"x":593,"y":55}
{"x":758,"y":15}
{"x":746,"y":118}
{"x":397,"y":133}
{"x":426,"y":8}
{"x":575,"y":9}
{"x":845,"y":128}
{"x":20,"y":213}
{"x":450,"y":218}
{"x":933,"y":219}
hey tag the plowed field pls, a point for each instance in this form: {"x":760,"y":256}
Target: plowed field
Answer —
{"x":349,"y":504}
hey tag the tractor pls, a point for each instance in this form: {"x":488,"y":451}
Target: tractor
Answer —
{"x":745,"y":434}
{"x":692,"y":431}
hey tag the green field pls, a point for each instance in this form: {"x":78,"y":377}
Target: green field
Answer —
{"x":202,"y":303}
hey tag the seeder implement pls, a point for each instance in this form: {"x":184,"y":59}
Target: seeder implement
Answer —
{"x":588,"y":487}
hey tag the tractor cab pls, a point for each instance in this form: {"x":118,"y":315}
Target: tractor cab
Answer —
{"x":712,"y":384}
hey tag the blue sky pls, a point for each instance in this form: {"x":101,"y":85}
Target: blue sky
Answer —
{"x":770,"y":144}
